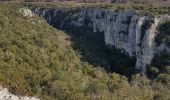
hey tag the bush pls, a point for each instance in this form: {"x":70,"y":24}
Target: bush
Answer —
{"x":152,"y":71}
{"x":167,"y":69}
{"x":164,"y":78}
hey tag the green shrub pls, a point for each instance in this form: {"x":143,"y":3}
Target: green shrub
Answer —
{"x":167,"y":69}
{"x":153,"y":71}
{"x":165,"y":78}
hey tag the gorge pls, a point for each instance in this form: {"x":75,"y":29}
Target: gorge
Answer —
{"x":84,"y":51}
{"x":131,"y":32}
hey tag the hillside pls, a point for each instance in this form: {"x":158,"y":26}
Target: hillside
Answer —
{"x":40,"y":60}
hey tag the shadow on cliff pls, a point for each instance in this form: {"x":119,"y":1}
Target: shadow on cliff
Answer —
{"x":91,"y":46}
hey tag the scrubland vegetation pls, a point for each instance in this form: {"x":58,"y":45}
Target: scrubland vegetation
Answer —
{"x":150,"y":9}
{"x":39,"y":60}
{"x":95,"y":1}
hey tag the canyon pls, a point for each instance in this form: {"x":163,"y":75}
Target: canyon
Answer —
{"x":129,"y":31}
{"x":84,"y":51}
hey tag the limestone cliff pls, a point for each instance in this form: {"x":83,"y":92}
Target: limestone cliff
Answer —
{"x":131,"y":32}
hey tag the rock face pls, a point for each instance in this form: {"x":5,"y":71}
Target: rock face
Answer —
{"x":5,"y":95}
{"x":26,"y":12}
{"x":131,"y":32}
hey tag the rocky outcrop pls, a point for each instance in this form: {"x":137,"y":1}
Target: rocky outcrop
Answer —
{"x":131,"y":32}
{"x":5,"y":95}
{"x":26,"y":12}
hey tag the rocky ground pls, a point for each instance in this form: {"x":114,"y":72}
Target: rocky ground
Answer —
{"x":6,"y":95}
